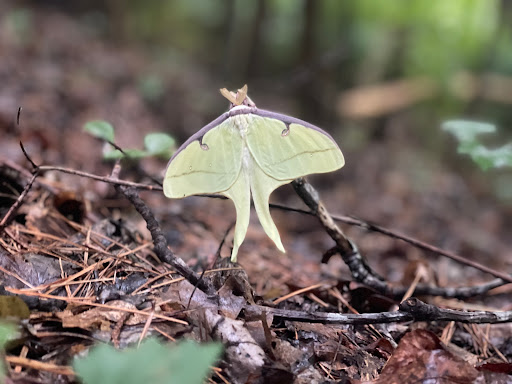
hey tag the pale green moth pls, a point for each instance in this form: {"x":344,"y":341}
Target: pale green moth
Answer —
{"x":249,"y":151}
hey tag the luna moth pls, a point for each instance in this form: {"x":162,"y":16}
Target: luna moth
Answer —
{"x":249,"y":151}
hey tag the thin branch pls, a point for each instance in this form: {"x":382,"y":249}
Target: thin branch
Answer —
{"x":357,"y":264}
{"x":10,"y":213}
{"x":350,"y":220}
{"x":451,"y":292}
{"x":18,"y":116}
{"x":14,"y":208}
{"x":422,"y":245}
{"x":361,"y":271}
{"x":421,"y":311}
{"x":161,"y":249}
{"x":411,"y":309}
{"x":346,"y":248}
{"x":34,"y":165}
{"x":421,"y":289}
{"x":255,"y":311}
{"x":105,"y":179}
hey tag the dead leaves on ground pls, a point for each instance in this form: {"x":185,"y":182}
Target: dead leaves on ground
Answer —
{"x":88,"y":280}
{"x":421,"y":358}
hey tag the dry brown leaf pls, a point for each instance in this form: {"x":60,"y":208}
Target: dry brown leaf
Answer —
{"x":101,"y":318}
{"x":420,"y":357}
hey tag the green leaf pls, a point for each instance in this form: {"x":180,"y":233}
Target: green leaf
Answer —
{"x":159,"y":144}
{"x":132,"y":154}
{"x":7,"y":333}
{"x":100,"y":129}
{"x":492,"y":158}
{"x":466,"y":130}
{"x":466,"y":133}
{"x":153,"y":362}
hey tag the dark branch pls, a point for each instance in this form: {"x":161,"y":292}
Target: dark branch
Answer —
{"x":160,"y":243}
{"x":364,"y":274}
{"x":255,"y":311}
{"x":105,"y":179}
{"x":14,"y":208}
{"x":346,"y":248}
{"x":411,"y":309}
{"x":354,"y":259}
{"x":421,"y":311}
{"x":426,"y":247}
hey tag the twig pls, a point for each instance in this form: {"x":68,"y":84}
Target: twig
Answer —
{"x":105,"y":179}
{"x":40,"y":366}
{"x":421,"y":289}
{"x":410,"y":310}
{"x":10,"y":213}
{"x":18,"y":116}
{"x":425,"y":246}
{"x":357,"y":263}
{"x":160,"y":243}
{"x":35,"y":167}
{"x":421,"y":311}
{"x":254,"y":312}
{"x":451,"y":292}
{"x":348,"y":251}
{"x":89,"y":301}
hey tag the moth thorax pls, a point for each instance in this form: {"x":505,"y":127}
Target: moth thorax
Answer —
{"x":246,"y":159}
{"x":242,"y":123}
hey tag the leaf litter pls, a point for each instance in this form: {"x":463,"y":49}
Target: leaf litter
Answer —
{"x":83,"y":262}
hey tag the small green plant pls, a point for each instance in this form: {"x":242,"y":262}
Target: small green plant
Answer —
{"x":155,"y":144}
{"x":8,"y":332}
{"x":153,"y":362}
{"x":466,"y":133}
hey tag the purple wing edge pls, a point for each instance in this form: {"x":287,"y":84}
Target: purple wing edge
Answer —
{"x":199,"y":134}
{"x":247,"y":110}
{"x":291,"y":120}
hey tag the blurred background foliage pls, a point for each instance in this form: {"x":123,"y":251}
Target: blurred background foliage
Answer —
{"x":368,"y":71}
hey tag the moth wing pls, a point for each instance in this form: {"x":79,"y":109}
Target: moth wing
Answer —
{"x":288,"y":151}
{"x":208,"y":164}
{"x":262,"y":185}
{"x":240,"y":194}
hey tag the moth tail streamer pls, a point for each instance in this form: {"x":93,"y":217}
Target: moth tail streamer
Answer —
{"x":240,"y":194}
{"x":262,"y":186}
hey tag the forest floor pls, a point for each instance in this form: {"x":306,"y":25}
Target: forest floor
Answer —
{"x":83,"y":260}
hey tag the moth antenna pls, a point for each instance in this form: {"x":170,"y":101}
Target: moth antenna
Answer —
{"x":228,"y":95}
{"x":241,"y":95}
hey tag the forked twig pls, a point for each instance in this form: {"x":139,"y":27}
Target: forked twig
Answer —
{"x":361,"y":271}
